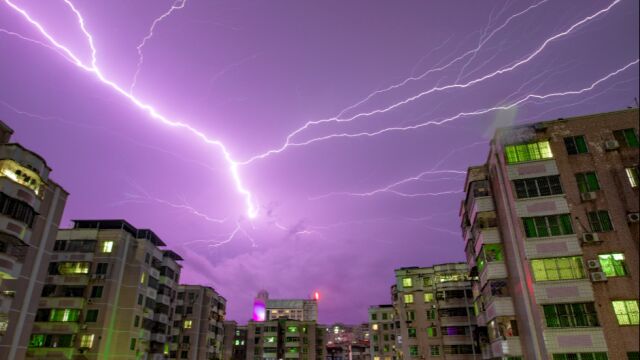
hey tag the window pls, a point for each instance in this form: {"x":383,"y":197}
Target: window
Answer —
{"x":413,"y":351}
{"x":91,"y":316}
{"x":528,"y":152}
{"x":428,"y":297}
{"x":489,"y":253}
{"x":575,"y":145}
{"x":633,"y":355}
{"x":17,"y":210}
{"x":435,"y":350}
{"x":431,"y":314}
{"x":587,"y":182}
{"x":101,"y":268}
{"x":600,"y":221}
{"x":142,"y":277}
{"x":385,"y":316}
{"x":411,"y":315}
{"x":185,"y":339}
{"x":408,"y":298}
{"x":292,"y":329}
{"x":374,"y":316}
{"x":374,"y":327}
{"x":96,"y":291}
{"x":427,"y":281}
{"x":107,"y":246}
{"x":58,"y":315}
{"x":543,"y":226}
{"x":632,"y":175}
{"x":626,"y":312}
{"x":188,"y":324}
{"x":132,"y":344}
{"x":412,"y":332}
{"x":50,"y":341}
{"x":561,"y":268}
{"x":570,"y":315}
{"x":136,"y":321}
{"x":86,"y":341}
{"x":458,"y":349}
{"x":540,"y":186}
{"x":140,"y":299}
{"x":613,"y":264}
{"x":626,"y":137}
{"x":581,"y":356}
{"x":72,"y":268}
{"x":432,"y":331}
{"x":407,"y":282}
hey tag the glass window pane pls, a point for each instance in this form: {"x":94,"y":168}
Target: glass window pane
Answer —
{"x":592,"y":181}
{"x":605,"y":221}
{"x":570,"y":145}
{"x":581,"y":144}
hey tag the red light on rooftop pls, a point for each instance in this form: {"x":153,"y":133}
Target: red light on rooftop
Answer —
{"x":316,"y":296}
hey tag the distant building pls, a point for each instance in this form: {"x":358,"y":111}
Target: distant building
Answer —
{"x":234,"y":342}
{"x":109,"y":292}
{"x":198,"y":323}
{"x":434,"y":312}
{"x":285,"y":339}
{"x":550,"y":225}
{"x":382,"y":332}
{"x":347,"y":342}
{"x":296,"y":309}
{"x":31,"y":206}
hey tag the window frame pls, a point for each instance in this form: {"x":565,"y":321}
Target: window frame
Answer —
{"x":598,"y":219}
{"x":547,"y":267}
{"x":576,"y":147}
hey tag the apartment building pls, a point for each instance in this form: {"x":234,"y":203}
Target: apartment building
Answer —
{"x":234,"y":341}
{"x":31,"y":205}
{"x":433,"y":312}
{"x":550,"y":226}
{"x":108,"y":294}
{"x":198,"y":324}
{"x":296,"y":309}
{"x":285,"y":339}
{"x":348,"y":342}
{"x":382,"y":332}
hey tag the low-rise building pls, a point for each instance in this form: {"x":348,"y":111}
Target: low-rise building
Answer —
{"x":285,"y":339}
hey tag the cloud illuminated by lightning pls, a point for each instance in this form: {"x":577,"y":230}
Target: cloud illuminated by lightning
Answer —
{"x":177,"y":5}
{"x":252,"y":208}
{"x":288,"y":142}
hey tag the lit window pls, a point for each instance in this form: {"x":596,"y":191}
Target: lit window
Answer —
{"x":188,"y":324}
{"x":21,"y":175}
{"x":408,"y":298}
{"x":543,"y":226}
{"x":428,"y":297}
{"x":407,"y":282}
{"x":72,"y":268}
{"x":411,"y":332}
{"x":270,"y":339}
{"x":587,"y":182}
{"x":64,"y":315}
{"x":107,"y":246}
{"x":432,"y":331}
{"x":86,"y":341}
{"x":292,"y":329}
{"x":142,"y":277}
{"x":561,"y":268}
{"x":413,"y":351}
{"x":626,"y":312}
{"x":575,"y":145}
{"x":613,"y":264}
{"x":600,"y":221}
{"x":528,"y":152}
{"x":374,"y":327}
{"x":626,"y":137}
{"x":632,"y":174}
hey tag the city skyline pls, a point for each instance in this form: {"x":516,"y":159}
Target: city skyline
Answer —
{"x":334,"y":213}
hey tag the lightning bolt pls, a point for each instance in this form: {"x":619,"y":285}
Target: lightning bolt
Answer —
{"x":177,"y":5}
{"x":252,"y":208}
{"x":288,"y":142}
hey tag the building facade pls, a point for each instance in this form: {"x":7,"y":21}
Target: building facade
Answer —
{"x":31,"y":206}
{"x":550,"y":226}
{"x":108,"y":294}
{"x":295,"y":309}
{"x":433,"y":313}
{"x":234,"y":341}
{"x":382,"y":332}
{"x":198,"y":322}
{"x":285,"y":339}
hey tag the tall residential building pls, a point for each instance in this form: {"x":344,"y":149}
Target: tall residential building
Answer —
{"x":108,"y":294}
{"x":234,"y":341}
{"x":550,"y":224}
{"x":434,"y":314}
{"x":382,"y":332}
{"x":198,"y":324}
{"x":285,"y":339}
{"x":31,"y":206}
{"x":295,"y":309}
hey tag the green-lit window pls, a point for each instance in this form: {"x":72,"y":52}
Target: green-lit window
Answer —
{"x":86,"y":341}
{"x":412,"y":332}
{"x":489,"y":253}
{"x":552,"y":225}
{"x":132,"y":344}
{"x":575,"y":145}
{"x":581,"y":356}
{"x":432,"y":331}
{"x":528,"y":152}
{"x":428,"y":297}
{"x":613,"y":264}
{"x":407,"y":282}
{"x":632,"y":175}
{"x":413,"y":351}
{"x":292,"y":329}
{"x":37,"y":340}
{"x":408,"y":298}
{"x":587,"y":182}
{"x":72,"y":268}
{"x":626,"y":137}
{"x":435,"y":350}
{"x":560,"y":268}
{"x":600,"y":221}
{"x":92,"y":316}
{"x":64,"y":315}
{"x":107,"y":246}
{"x":570,"y":315}
{"x":626,"y":312}
{"x":431,"y":314}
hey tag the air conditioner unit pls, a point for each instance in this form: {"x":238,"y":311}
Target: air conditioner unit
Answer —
{"x":598,"y":277}
{"x":590,"y":238}
{"x":633,"y":217}
{"x":593,"y":264}
{"x":588,"y":196}
{"x":611,"y":145}
{"x":89,"y":301}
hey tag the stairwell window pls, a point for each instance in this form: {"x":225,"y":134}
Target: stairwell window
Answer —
{"x":576,"y":145}
{"x":613,"y":264}
{"x":543,"y":226}
{"x":626,"y":312}
{"x":560,"y":268}
{"x":520,"y":153}
{"x":600,"y":221}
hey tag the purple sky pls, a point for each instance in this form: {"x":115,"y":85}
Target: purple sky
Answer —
{"x":249,"y":73}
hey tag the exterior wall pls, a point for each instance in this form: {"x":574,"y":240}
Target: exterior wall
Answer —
{"x":26,"y":247}
{"x":296,"y":309}
{"x":382,"y":332}
{"x":234,"y":341}
{"x":274,"y":339}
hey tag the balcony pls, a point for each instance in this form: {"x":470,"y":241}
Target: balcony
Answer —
{"x":489,"y":235}
{"x":493,"y":270}
{"x":552,"y":246}
{"x":68,"y":279}
{"x":158,"y":337}
{"x":25,"y":157}
{"x":291,"y":355}
{"x":152,"y":293}
{"x":50,"y":353}
{"x":55,"y":327}
{"x":163,"y":299}
{"x":18,"y":191}
{"x":575,"y":339}
{"x":507,"y":347}
{"x":162,"y":318}
{"x":550,"y":292}
{"x":481,"y":204}
{"x":10,"y":266}
{"x":456,"y":320}
{"x":542,"y":206}
{"x":454,"y":303}
{"x":61,"y":302}
{"x":499,"y":306}
{"x":144,"y":334}
{"x":165,"y":280}
{"x":457,"y":339}
{"x":72,"y":256}
{"x":532,"y":169}
{"x":15,"y":228}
